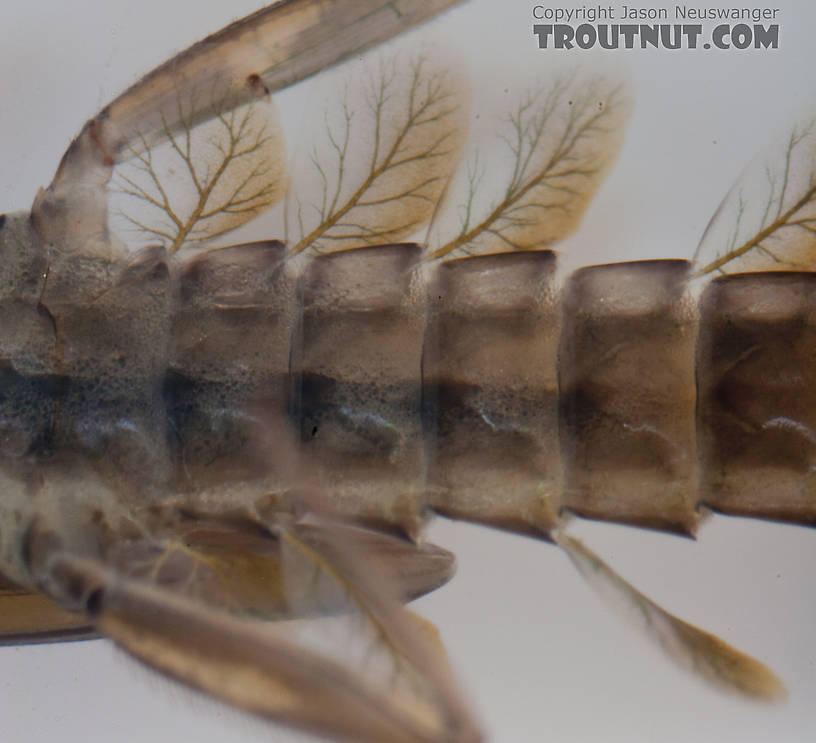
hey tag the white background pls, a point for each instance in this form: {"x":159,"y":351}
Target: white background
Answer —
{"x":539,"y":655}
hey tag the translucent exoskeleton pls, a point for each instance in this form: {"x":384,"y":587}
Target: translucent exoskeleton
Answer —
{"x":508,"y":589}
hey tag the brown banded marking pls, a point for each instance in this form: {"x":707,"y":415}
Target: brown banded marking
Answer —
{"x":388,"y":403}
{"x":490,"y":385}
{"x":756,"y":410}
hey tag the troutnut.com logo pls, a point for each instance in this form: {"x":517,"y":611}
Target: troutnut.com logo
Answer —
{"x":589,"y":26}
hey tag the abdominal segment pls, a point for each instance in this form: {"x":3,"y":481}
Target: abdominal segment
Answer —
{"x":490,"y":378}
{"x":477,"y":388}
{"x":628,"y":395}
{"x":757,"y":395}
